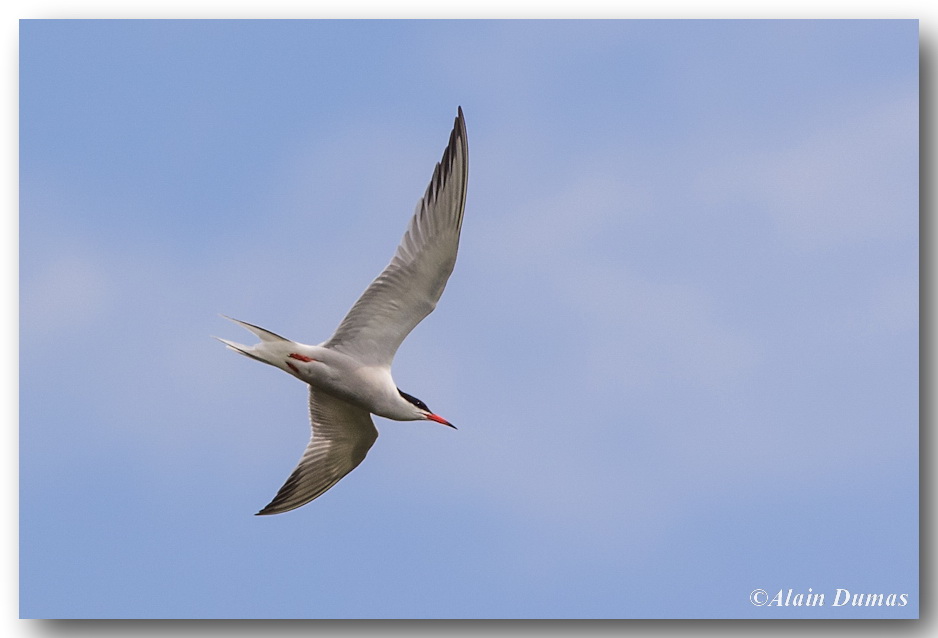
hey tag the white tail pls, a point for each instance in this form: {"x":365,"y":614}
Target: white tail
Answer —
{"x":266,"y":351}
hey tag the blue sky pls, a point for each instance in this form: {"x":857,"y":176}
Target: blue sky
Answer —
{"x":680,"y":342}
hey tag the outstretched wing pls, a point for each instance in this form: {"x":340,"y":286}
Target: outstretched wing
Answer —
{"x":342,"y":436}
{"x":409,"y":288}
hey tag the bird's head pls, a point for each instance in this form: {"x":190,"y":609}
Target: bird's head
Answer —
{"x":421,"y":411}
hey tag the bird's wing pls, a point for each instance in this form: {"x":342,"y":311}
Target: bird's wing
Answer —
{"x":409,"y":288}
{"x":342,"y":436}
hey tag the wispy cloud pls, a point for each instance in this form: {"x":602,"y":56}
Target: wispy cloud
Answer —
{"x":844,"y":180}
{"x":71,"y":288}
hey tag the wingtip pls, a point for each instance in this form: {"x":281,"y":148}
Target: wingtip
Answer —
{"x":270,"y":509}
{"x":267,"y":510}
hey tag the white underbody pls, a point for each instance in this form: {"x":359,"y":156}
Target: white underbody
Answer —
{"x":369,"y":387}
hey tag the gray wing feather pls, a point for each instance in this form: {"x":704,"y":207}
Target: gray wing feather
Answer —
{"x":410,"y":286}
{"x":342,"y":436}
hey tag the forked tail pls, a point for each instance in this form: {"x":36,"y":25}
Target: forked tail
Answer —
{"x":267,"y":351}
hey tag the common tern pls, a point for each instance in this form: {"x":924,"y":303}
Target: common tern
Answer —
{"x":349,"y":375}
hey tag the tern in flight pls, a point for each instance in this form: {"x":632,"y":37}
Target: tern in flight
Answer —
{"x":349,"y":376}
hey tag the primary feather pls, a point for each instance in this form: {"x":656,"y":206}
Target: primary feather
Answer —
{"x":342,"y":435}
{"x":410,"y":286}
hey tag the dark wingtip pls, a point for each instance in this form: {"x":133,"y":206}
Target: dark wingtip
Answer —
{"x":459,"y":127}
{"x":269,"y":509}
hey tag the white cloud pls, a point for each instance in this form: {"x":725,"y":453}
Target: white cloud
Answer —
{"x":842,"y":181}
{"x":658,"y":326}
{"x":70,"y":288}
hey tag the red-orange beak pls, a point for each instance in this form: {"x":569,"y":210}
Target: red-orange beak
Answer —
{"x":439,"y":419}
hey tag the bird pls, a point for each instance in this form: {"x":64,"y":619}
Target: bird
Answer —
{"x":349,"y":375}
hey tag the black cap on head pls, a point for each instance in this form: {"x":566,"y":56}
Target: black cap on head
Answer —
{"x":414,"y":400}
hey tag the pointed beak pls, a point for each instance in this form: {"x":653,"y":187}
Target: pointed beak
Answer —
{"x":439,"y":419}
